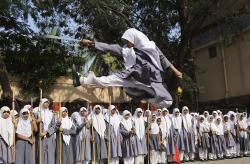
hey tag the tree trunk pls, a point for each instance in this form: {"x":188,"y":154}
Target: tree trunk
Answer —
{"x":183,"y":47}
{"x":4,"y":81}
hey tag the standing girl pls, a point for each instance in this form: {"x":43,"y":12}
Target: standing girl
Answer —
{"x":24,"y":132}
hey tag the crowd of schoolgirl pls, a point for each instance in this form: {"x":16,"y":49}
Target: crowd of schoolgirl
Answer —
{"x":85,"y":136}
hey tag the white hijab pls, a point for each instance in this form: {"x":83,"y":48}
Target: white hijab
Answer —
{"x":6,"y":127}
{"x":47,"y":115}
{"x":220,"y":127}
{"x":159,"y":110}
{"x":139,"y":124}
{"x":142,"y":43}
{"x":154,"y":126}
{"x":227,"y":125}
{"x":11,"y":113}
{"x":24,"y":126}
{"x":66,"y":124}
{"x":206,"y":118}
{"x":203,"y":126}
{"x":212,"y":124}
{"x":243,"y":124}
{"x":126,"y":123}
{"x":98,"y":121}
{"x":114,"y":119}
{"x":187,"y":119}
{"x":177,"y":120}
{"x":166,"y":122}
{"x":80,"y":120}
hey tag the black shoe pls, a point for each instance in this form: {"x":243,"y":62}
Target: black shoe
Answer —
{"x":76,"y":77}
{"x":191,"y":160}
{"x":183,"y":161}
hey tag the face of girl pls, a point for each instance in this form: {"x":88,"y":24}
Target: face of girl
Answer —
{"x":206,"y":114}
{"x":215,"y":115}
{"x":202,"y":119}
{"x":225,"y":119}
{"x":165,"y":113}
{"x":83,"y":113}
{"x":139,"y":114}
{"x":177,"y":113}
{"x":159,"y":112}
{"x":185,"y":111}
{"x":6,"y":114}
{"x":127,"y":116}
{"x":153,"y":118}
{"x":159,"y":122}
{"x":232,"y":117}
{"x":113,"y":111}
{"x":196,"y":117}
{"x":129,"y":44}
{"x":25,"y":115}
{"x":46,"y":105}
{"x":218,"y":121}
{"x":241,"y":117}
{"x":147,"y":114}
{"x":211,"y":119}
{"x":64,"y":113}
{"x":97,"y":110}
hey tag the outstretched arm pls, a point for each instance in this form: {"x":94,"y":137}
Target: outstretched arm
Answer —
{"x":112,"y":48}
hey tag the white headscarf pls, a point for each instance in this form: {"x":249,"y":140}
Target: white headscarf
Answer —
{"x":11,"y":113}
{"x":80,"y":120}
{"x":66,"y":124}
{"x":114,"y":119}
{"x":159,"y":110}
{"x":104,"y":111}
{"x":177,"y":120}
{"x":47,"y":115}
{"x":166,"y":122}
{"x":203,"y":126}
{"x":187,"y":119}
{"x":28,"y":107}
{"x":154,"y":127}
{"x":126,"y":123}
{"x":6,"y":127}
{"x":212,"y":124}
{"x":206,"y":118}
{"x":243,"y":124}
{"x":145,"y":117}
{"x":142,"y":43}
{"x":139,"y":124}
{"x":24,"y":126}
{"x":98,"y":121}
{"x":220,"y":127}
{"x":227,"y":125}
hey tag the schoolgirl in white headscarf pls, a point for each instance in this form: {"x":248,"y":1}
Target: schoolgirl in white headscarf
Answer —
{"x":115,"y":136}
{"x":179,"y":132}
{"x":127,"y":132}
{"x":159,"y":113}
{"x":147,"y":113}
{"x":99,"y":125}
{"x":24,"y":133}
{"x":67,"y":129}
{"x":6,"y":136}
{"x":220,"y":137}
{"x":213,"y":139}
{"x":203,"y":138}
{"x":206,"y":116}
{"x":230,"y":143}
{"x":243,"y":135}
{"x":189,"y":133}
{"x":140,"y":135}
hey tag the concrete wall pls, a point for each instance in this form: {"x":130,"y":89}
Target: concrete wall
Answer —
{"x":210,"y":72}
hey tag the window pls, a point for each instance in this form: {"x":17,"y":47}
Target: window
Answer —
{"x":212,"y":52}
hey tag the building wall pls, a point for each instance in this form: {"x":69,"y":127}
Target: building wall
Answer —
{"x":210,"y":72}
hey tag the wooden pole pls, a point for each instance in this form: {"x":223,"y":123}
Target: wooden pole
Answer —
{"x":93,"y":136}
{"x":40,"y":129}
{"x":109,"y":129}
{"x":83,"y":145}
{"x":14,"y":128}
{"x":32,"y":127}
{"x":60,"y":134}
{"x":148,"y":134}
